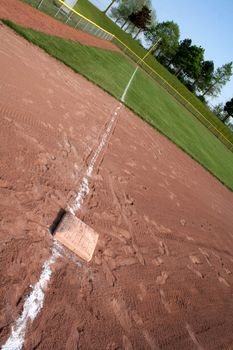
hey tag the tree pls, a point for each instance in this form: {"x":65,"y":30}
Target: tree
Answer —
{"x":169,"y":34}
{"x":218,"y":110}
{"x":188,"y":59}
{"x":150,"y":34}
{"x":122,"y":11}
{"x":141,"y":19}
{"x":228,"y":108}
{"x":205,"y":76}
{"x":110,"y":5}
{"x":126,"y":8}
{"x":220,"y":77}
{"x":180,"y":58}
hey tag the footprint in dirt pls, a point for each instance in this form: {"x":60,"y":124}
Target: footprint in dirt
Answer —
{"x":189,"y":238}
{"x":131,"y":163}
{"x":172,"y":195}
{"x":157,"y":261}
{"x":110,"y":277}
{"x":162,"y":278}
{"x":143,"y":292}
{"x":183,"y":222}
{"x":194,"y":259}
{"x":127,"y":345}
{"x":164,"y":301}
{"x":122,"y":315}
{"x":138,"y":254}
{"x":123,"y":179}
{"x":163,"y":249}
{"x":137,"y":319}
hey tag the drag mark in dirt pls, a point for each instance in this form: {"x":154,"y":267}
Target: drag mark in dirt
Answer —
{"x":32,"y":305}
{"x":34,"y":302}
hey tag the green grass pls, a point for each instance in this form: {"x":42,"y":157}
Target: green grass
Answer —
{"x":112,"y":71}
{"x":90,"y":11}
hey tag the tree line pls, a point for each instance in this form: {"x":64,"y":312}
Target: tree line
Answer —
{"x":224,"y":112}
{"x":180,"y":57}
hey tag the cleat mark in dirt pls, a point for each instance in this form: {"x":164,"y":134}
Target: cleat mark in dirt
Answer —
{"x":157,"y":261}
{"x":150,"y":341}
{"x":109,"y":276}
{"x":193,"y":337}
{"x":198,"y":273}
{"x":206,"y":256}
{"x":120,"y":205}
{"x":164,"y":301}
{"x":160,"y":228}
{"x":228,"y":272}
{"x":189,"y":238}
{"x":222,"y":280}
{"x":125,"y":261}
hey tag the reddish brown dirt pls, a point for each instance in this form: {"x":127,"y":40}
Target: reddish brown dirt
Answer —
{"x":161,"y":276}
{"x":30,"y":17}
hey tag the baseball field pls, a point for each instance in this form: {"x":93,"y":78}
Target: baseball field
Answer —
{"x":158,"y":190}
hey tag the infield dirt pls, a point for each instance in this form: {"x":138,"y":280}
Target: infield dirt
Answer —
{"x":161,"y":276}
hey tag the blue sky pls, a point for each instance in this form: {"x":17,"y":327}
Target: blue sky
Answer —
{"x":209,"y":23}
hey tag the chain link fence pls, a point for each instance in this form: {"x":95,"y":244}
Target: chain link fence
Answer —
{"x":65,"y":14}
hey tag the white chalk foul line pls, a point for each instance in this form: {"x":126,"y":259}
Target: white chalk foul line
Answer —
{"x":128,"y":85}
{"x":35,"y":300}
{"x":32,"y":305}
{"x":84,"y":186}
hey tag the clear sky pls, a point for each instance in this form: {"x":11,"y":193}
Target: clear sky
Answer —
{"x":209,"y":23}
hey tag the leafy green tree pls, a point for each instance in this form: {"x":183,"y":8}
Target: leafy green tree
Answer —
{"x":181,"y":57}
{"x":122,"y":11}
{"x":228,"y":108}
{"x":194,"y":65}
{"x":126,"y":8}
{"x":169,"y":34}
{"x":188,"y":59}
{"x":220,"y":77}
{"x":141,"y":19}
{"x":218,"y":110}
{"x":205,"y":76}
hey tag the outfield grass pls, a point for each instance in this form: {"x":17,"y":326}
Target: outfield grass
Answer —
{"x":112,"y":71}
